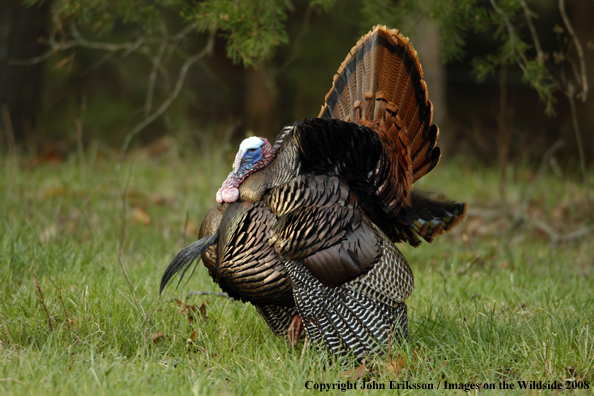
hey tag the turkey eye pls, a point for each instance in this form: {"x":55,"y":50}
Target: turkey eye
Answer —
{"x":251,"y":150}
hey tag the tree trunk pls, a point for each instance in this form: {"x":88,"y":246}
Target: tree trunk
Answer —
{"x":20,"y":85}
{"x":260,"y":102}
{"x":425,"y":39}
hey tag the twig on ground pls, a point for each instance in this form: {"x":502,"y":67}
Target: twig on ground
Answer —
{"x":520,"y":213}
{"x":540,"y":173}
{"x":42,"y":302}
{"x":66,"y":319}
{"x":556,"y":238}
{"x":207,"y":293}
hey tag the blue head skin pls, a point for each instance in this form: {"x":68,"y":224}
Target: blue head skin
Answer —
{"x":254,"y":154}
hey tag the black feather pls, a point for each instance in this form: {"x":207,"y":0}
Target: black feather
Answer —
{"x":184,"y":259}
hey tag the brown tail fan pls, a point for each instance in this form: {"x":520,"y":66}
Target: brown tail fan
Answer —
{"x":380,"y":85}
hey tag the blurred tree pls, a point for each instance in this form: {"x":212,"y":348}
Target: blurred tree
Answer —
{"x":250,"y":30}
{"x":151,"y":45}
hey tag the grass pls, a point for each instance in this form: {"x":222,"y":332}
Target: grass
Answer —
{"x":80,"y":268}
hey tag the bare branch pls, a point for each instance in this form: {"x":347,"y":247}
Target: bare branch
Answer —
{"x":297,"y":43}
{"x":129,"y":46}
{"x":152,"y":79}
{"x":141,"y":45}
{"x":54,"y":47}
{"x":529,"y":15}
{"x":167,"y":102}
{"x":184,"y":32}
{"x":36,"y":59}
{"x":582,"y":77}
{"x":512,"y":35}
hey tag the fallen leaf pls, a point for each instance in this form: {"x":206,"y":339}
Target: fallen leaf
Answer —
{"x":158,"y":199}
{"x":355,"y":374}
{"x":49,"y":233}
{"x":53,"y":192}
{"x":158,"y":336}
{"x":194,"y":334}
{"x":396,"y":365}
{"x":137,"y":198}
{"x":571,"y":370}
{"x":191,"y":310}
{"x":561,"y":211}
{"x":140,"y":216}
{"x":504,"y":264}
{"x":74,"y":324}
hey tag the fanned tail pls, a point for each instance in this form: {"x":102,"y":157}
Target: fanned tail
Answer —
{"x":380,"y":85}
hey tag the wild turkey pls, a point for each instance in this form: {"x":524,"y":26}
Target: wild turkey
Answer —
{"x":307,"y":225}
{"x":351,"y":285}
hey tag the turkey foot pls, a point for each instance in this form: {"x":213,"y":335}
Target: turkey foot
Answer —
{"x":294,"y":330}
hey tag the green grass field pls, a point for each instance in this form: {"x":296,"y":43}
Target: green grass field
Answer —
{"x":83,"y":248}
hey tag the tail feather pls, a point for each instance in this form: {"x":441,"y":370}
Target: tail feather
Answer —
{"x":431,"y":215}
{"x":425,"y":166}
{"x":184,"y":259}
{"x":422,"y":133}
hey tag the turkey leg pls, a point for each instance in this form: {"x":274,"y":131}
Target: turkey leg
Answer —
{"x":294,"y":330}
